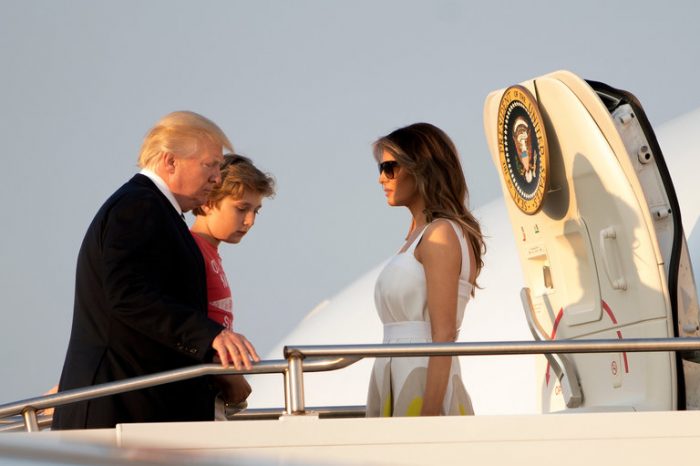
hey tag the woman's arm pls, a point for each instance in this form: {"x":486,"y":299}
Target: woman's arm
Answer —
{"x":439,"y":252}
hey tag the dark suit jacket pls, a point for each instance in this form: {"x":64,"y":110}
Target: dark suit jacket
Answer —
{"x":140,"y":307}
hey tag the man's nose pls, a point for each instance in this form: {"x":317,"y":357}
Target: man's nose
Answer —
{"x":216,"y":176}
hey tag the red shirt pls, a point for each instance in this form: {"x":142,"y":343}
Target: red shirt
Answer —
{"x":220,"y":308}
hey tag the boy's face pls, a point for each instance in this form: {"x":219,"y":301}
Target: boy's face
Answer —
{"x":234,"y":217}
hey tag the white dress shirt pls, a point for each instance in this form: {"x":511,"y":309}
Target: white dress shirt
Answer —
{"x":160,"y":184}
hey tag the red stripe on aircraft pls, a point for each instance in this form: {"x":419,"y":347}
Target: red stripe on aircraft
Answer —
{"x":624,"y":355}
{"x":609,"y":311}
{"x":619,"y":333}
{"x":560,"y":314}
{"x":610,"y":314}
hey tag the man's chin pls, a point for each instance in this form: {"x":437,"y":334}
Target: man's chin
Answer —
{"x":195,"y":202}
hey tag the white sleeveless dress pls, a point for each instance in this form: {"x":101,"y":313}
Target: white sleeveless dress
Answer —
{"x":397,"y":385}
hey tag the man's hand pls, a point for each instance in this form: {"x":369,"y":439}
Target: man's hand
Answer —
{"x":49,"y":411}
{"x":234,"y":348}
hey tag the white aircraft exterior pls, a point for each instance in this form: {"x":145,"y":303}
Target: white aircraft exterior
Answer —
{"x":497,"y":385}
{"x":509,"y":393}
{"x":350,"y":317}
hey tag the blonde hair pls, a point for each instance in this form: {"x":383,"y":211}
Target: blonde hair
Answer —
{"x":430,"y":156}
{"x":179,"y":133}
{"x":238,"y":175}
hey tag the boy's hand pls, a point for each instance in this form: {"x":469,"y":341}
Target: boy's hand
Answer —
{"x":234,"y":388}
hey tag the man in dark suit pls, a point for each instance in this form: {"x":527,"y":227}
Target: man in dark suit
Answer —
{"x":140,"y":296}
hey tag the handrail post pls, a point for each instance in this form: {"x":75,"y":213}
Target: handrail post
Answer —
{"x":30,"y":422}
{"x":287,"y":392}
{"x":339,"y":356}
{"x":294,"y":385}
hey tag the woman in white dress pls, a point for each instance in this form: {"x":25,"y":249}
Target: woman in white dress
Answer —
{"x":423,"y":290}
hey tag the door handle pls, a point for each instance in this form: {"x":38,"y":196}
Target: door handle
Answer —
{"x":611,"y":258}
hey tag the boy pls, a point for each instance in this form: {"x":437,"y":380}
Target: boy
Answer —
{"x":227,"y":216}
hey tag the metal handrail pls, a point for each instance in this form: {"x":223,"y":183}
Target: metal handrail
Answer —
{"x":323,"y":412}
{"x":331,"y":357}
{"x":496,"y":348}
{"x":296,"y":354}
{"x":16,"y":423}
{"x":31,"y":405}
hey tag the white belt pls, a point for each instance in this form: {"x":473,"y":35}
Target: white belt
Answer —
{"x":407,"y":332}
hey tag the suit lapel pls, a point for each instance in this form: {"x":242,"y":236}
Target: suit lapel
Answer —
{"x":175,"y":218}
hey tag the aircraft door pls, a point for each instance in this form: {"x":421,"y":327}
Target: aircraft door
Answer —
{"x":591,"y":251}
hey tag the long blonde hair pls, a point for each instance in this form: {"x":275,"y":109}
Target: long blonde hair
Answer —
{"x":428,"y":154}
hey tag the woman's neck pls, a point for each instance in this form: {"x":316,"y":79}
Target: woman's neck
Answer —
{"x":418,"y":213}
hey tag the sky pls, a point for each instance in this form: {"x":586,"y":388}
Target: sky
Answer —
{"x":303,"y":88}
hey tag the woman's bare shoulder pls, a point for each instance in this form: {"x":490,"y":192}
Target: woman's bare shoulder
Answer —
{"x":439,"y":240}
{"x":441,"y":231}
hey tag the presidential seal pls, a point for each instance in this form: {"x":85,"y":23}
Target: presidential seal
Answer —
{"x":522,"y":148}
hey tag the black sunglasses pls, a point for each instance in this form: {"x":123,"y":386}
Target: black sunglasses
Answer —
{"x":388,"y":168}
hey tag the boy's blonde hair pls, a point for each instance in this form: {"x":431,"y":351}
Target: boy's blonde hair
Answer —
{"x":239,"y":174}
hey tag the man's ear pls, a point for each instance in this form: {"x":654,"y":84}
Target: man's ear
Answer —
{"x":168,"y":160}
